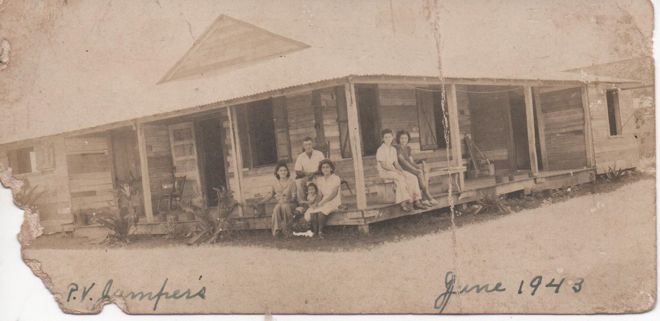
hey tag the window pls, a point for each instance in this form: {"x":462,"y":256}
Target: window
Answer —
{"x":613,"y":113}
{"x":431,"y":117}
{"x":256,"y":131}
{"x":367,"y":105}
{"x":23,"y":161}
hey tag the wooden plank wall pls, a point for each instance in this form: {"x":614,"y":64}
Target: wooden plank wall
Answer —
{"x":90,"y":173}
{"x":330,"y":126}
{"x":620,"y":151}
{"x":563,"y":120}
{"x":398,"y":111}
{"x":301,"y":123}
{"x":301,"y":120}
{"x":52,"y":177}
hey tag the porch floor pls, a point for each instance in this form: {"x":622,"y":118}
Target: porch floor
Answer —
{"x":474,"y":189}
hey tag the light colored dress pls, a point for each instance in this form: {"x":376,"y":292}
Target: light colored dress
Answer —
{"x":326,"y":187}
{"x":285,"y":194}
{"x":406,"y":184}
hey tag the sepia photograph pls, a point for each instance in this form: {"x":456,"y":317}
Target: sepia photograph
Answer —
{"x":333,"y":157}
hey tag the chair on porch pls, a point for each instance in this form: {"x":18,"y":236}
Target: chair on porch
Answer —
{"x":172,"y":193}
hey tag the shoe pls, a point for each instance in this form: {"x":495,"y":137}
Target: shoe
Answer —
{"x":419,"y":206}
{"x":405,"y":206}
{"x":434,"y":202}
{"x":427,"y":203}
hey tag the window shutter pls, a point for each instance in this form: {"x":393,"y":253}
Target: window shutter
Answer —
{"x":426,"y":118}
{"x":342,"y":122}
{"x":281,"y":121}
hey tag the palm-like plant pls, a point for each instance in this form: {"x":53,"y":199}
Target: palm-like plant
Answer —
{"x":123,"y":223}
{"x":27,"y":197}
{"x":213,"y":225}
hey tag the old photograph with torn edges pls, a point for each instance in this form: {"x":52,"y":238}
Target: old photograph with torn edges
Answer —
{"x":333,"y":157}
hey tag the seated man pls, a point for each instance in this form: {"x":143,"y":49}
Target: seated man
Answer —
{"x":306,"y":167}
{"x":407,"y":189}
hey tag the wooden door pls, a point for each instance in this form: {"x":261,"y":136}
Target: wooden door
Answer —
{"x":184,"y":157}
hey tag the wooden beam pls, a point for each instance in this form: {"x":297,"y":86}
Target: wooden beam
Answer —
{"x":540,"y":124}
{"x":531,"y":133}
{"x":454,"y":132}
{"x":237,"y":158}
{"x":588,"y":134}
{"x":423,"y":81}
{"x":144,"y":169}
{"x":356,"y":145}
{"x":113,"y":171}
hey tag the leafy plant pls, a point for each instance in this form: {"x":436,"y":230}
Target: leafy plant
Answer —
{"x":213,"y":224}
{"x":122,"y":224}
{"x":27,"y":197}
{"x":491,"y":203}
{"x":614,"y":174}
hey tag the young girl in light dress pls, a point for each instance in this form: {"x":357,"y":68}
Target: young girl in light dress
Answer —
{"x":312,"y":199}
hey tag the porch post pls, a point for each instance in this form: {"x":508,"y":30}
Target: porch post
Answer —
{"x":236,"y":158}
{"x":356,"y":144}
{"x":144,"y":169}
{"x":531,"y":133}
{"x":588,"y":134}
{"x":455,"y":133}
{"x":540,"y":124}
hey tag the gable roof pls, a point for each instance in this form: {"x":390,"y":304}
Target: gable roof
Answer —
{"x":230,"y":42}
{"x":108,"y":69}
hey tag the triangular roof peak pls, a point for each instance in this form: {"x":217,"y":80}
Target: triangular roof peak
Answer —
{"x":230,"y":42}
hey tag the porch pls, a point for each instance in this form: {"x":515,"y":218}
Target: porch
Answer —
{"x":474,"y":138}
{"x":474,"y":190}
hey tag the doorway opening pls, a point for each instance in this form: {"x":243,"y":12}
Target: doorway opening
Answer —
{"x":212,"y":137}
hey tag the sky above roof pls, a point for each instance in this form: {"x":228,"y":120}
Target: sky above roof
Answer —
{"x":80,"y":64}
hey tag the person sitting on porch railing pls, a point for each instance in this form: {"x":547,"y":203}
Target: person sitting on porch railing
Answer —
{"x":329,"y":185}
{"x":306,"y":166}
{"x":408,"y":164}
{"x":407,"y":189}
{"x":283,"y":189}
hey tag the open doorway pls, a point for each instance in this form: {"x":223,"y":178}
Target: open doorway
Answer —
{"x":519,"y":131}
{"x":211,"y":139}
{"x":499,"y":126}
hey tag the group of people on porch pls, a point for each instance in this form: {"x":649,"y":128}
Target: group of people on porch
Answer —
{"x":315,"y":191}
{"x":396,"y":164}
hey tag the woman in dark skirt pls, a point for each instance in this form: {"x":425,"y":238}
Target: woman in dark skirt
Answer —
{"x":408,"y":164}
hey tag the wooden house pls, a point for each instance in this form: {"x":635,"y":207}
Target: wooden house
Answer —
{"x":246,"y":92}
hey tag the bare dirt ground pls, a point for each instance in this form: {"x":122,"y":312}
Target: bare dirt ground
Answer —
{"x":604,"y":234}
{"x":347,"y":237}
